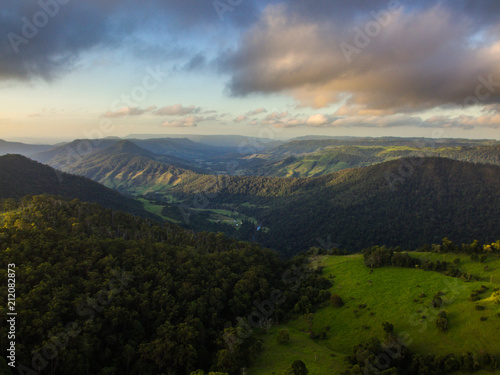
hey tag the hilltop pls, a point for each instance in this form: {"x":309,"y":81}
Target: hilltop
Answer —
{"x":20,"y":176}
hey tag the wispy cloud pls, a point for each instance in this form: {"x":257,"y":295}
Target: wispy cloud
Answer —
{"x":187,"y":122}
{"x":128,"y":111}
{"x":256,"y":112}
{"x":177,"y":110}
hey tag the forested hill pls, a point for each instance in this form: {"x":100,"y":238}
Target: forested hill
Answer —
{"x":20,"y":176}
{"x":124,"y":295}
{"x":125,"y":166}
{"x":408,"y":202}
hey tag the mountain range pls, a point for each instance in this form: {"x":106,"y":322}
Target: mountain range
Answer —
{"x":378,"y":202}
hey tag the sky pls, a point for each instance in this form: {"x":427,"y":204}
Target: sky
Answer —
{"x":275,"y":69}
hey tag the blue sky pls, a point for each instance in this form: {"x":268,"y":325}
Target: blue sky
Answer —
{"x":279,"y":69}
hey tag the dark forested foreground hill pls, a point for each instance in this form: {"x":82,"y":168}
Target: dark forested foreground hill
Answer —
{"x":104,"y":292}
{"x":20,"y":176}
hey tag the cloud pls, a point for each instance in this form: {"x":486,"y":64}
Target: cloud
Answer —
{"x":240,"y":118}
{"x":128,"y":111}
{"x":177,"y":110}
{"x":188,"y":122}
{"x":277,"y":116}
{"x":405,"y":120}
{"x":50,"y":39}
{"x":197,"y":62}
{"x":319,"y":120}
{"x":491,"y":119}
{"x":256,"y":112}
{"x":425,"y":56}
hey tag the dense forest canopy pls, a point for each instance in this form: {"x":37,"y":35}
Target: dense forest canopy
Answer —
{"x":117,"y":294}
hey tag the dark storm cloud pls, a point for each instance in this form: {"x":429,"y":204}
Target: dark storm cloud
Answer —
{"x":43,"y":39}
{"x":385,"y":56}
{"x":347,"y":11}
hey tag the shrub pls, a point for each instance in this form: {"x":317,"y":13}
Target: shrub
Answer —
{"x":388,"y":327}
{"x":442,"y":321}
{"x":336,"y":301}
{"x":437,"y":302}
{"x":442,"y":314}
{"x":480,"y":308}
{"x":283,"y":336}
{"x":483,"y":318}
{"x":442,"y":324}
{"x":474,"y":297}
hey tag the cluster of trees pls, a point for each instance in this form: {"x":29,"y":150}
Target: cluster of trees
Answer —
{"x":390,"y":356}
{"x":380,"y":256}
{"x":140,"y":297}
{"x":475,"y":249}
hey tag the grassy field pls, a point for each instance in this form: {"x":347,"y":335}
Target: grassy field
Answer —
{"x":394,"y":295}
{"x":156,"y":209}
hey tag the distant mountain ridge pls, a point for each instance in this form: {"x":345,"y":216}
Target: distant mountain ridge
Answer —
{"x":124,"y":166}
{"x":20,"y":148}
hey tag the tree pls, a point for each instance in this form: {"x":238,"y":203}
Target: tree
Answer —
{"x":298,"y":368}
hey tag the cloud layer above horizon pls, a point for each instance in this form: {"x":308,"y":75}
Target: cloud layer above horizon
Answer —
{"x":375,"y":62}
